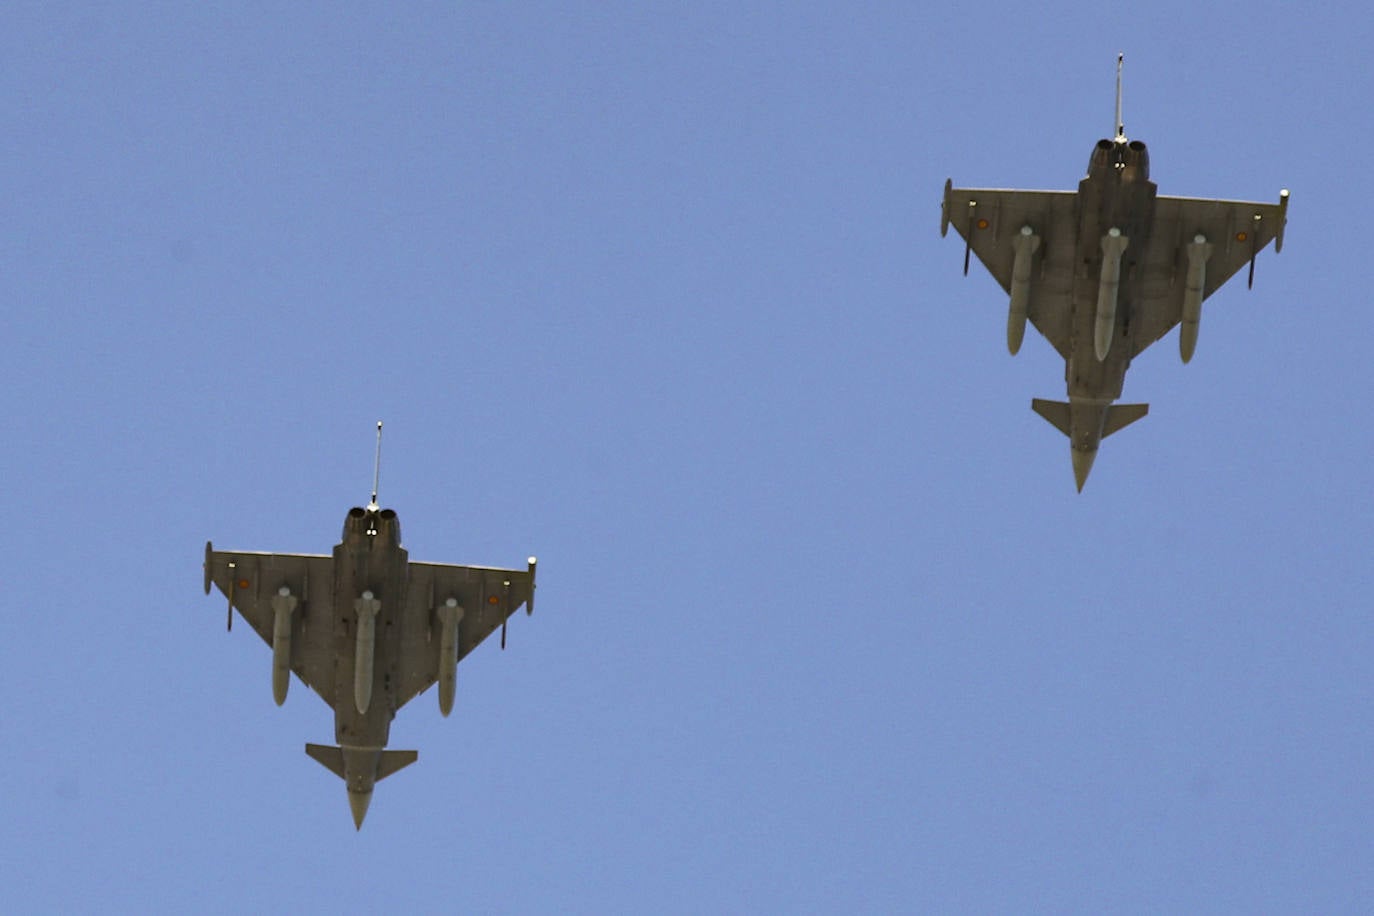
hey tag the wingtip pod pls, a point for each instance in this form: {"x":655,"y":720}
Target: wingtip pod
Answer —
{"x":529,"y":603}
{"x":944,"y":207}
{"x":1283,"y":220}
{"x":209,"y":549}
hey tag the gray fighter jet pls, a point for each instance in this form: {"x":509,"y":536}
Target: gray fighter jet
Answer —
{"x":367,"y":629}
{"x":1106,"y":271}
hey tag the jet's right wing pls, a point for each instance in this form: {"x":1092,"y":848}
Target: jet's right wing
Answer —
{"x":989,"y":219}
{"x":1235,"y":232}
{"x":488,"y":596}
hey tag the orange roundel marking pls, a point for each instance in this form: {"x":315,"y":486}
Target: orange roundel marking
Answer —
{"x":982,"y":224}
{"x":493,"y":599}
{"x":244,"y":583}
{"x":1241,"y":236}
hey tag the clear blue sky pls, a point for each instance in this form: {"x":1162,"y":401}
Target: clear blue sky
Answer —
{"x":657,"y":293}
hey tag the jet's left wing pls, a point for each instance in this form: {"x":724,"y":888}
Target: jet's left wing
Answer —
{"x":487,"y":596}
{"x":1233,"y":233}
{"x":990,"y":219}
{"x":251,"y":581}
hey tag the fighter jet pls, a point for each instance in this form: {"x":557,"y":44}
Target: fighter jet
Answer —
{"x":1106,"y":271}
{"x":367,"y":630}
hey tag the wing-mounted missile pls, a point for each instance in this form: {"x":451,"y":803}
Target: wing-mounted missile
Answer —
{"x":1198,"y":251}
{"x":1113,"y":246}
{"x":1025,"y":243}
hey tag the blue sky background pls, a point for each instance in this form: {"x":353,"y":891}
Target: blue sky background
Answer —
{"x":657,"y":293}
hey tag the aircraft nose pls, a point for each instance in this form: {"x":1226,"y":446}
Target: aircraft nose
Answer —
{"x":358,"y":802}
{"x":1082,"y":464}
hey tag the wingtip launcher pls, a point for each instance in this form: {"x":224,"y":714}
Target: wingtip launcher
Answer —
{"x":1283,"y":220}
{"x":944,"y":207}
{"x":209,"y":549}
{"x":209,"y":556}
{"x":1278,"y":235}
{"x":529,"y":602}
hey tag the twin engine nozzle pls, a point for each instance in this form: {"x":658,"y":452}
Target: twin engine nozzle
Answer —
{"x":1130,"y":157}
{"x":372,"y":523}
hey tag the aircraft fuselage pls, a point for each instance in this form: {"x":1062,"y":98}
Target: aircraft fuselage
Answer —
{"x":1115,"y":201}
{"x":370,"y":577}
